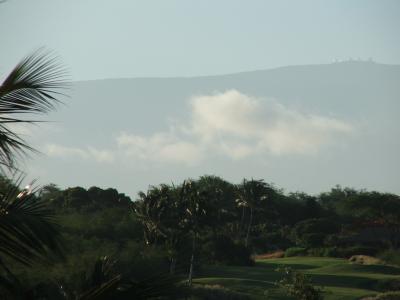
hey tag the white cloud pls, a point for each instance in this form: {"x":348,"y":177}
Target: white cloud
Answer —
{"x":102,"y":156}
{"x":230,"y":124}
{"x":241,"y":125}
{"x":160,"y":147}
{"x":61,"y":151}
{"x":223,"y":114}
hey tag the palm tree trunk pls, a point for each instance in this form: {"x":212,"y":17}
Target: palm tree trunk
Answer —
{"x":172,"y":266}
{"x":241,"y":221}
{"x":192,"y":260}
{"x":249,"y":227}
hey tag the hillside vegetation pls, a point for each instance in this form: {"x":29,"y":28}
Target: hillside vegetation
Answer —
{"x":208,"y":231}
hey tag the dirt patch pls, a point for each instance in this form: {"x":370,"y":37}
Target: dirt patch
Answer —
{"x":365,"y":260}
{"x":276,"y":254}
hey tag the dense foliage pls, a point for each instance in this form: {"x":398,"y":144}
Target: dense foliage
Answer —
{"x":175,"y":229}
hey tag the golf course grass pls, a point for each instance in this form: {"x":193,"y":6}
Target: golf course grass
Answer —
{"x":339,"y":278}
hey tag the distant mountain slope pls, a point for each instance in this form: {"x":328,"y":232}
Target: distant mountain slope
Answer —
{"x":345,"y":89}
{"x":363,"y":93}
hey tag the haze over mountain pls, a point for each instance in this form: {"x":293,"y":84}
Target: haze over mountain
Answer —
{"x":304,"y":128}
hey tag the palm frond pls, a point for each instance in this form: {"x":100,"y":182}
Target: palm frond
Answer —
{"x":103,"y":283}
{"x":158,"y":286}
{"x":103,"y":291}
{"x":11,"y":147}
{"x":28,"y":231}
{"x":33,"y":86}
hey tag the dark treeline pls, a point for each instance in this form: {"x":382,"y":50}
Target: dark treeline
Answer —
{"x":220,"y":222}
{"x":175,"y":229}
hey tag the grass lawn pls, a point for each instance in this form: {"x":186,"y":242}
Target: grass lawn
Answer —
{"x":339,"y":278}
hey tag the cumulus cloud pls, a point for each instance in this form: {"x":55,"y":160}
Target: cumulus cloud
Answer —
{"x":241,"y":125}
{"x":229,"y":124}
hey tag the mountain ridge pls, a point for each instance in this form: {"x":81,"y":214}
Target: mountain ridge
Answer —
{"x":341,"y":63}
{"x":364,"y":95}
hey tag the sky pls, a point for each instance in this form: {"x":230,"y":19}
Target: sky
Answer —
{"x":230,"y":132}
{"x":112,"y":39}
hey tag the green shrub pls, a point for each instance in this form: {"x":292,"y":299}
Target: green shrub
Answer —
{"x":312,"y":239}
{"x":295,"y":251}
{"x":323,"y":252}
{"x":332,"y":240}
{"x":390,"y":256}
{"x":312,"y":232}
{"x":330,"y":252}
{"x":357,"y":250}
{"x":315,"y":252}
{"x":270,"y":241}
{"x":299,"y":285}
{"x":223,"y":250}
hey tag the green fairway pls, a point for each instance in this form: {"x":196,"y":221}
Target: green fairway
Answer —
{"x":339,"y":278}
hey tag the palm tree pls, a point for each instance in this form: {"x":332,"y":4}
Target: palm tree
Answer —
{"x":28,"y":234}
{"x":27,"y":230}
{"x":150,"y":209}
{"x":33,"y":86}
{"x":250,"y":195}
{"x":195,"y":201}
{"x":161,"y":214}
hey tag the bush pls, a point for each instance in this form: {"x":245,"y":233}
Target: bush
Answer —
{"x":390,"y":256}
{"x":299,"y":285}
{"x":312,"y":239}
{"x":270,"y":242}
{"x":357,"y":250}
{"x":323,"y":252}
{"x":295,"y":251}
{"x":312,"y":232}
{"x":330,"y":252}
{"x":222,"y":250}
{"x":332,"y":240}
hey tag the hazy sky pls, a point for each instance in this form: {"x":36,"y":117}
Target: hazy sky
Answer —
{"x":338,"y":120}
{"x":108,"y":39}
